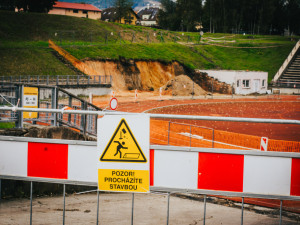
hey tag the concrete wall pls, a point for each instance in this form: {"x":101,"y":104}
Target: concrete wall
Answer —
{"x":148,"y":23}
{"x":86,"y":91}
{"x":258,"y":81}
{"x":289,"y":91}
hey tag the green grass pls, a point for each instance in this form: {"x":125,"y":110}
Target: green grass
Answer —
{"x":24,"y":45}
{"x":7,"y":125}
{"x":31,"y":61}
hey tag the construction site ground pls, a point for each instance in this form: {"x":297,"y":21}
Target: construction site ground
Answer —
{"x":256,"y":106}
{"x":115,"y":208}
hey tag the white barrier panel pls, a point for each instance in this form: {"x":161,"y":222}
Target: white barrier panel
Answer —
{"x":242,"y":173}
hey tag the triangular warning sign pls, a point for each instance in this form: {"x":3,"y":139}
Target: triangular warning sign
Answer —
{"x":123,"y":146}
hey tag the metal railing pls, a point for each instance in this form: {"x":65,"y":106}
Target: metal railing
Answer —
{"x":58,"y":80}
{"x":189,"y":130}
{"x":49,"y":98}
{"x":286,"y":62}
{"x":287,"y":84}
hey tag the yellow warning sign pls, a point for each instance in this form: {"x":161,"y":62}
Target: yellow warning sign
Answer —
{"x":123,"y":180}
{"x":123,"y":146}
{"x":30,"y":100}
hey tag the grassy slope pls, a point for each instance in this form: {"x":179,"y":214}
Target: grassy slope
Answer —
{"x":23,"y":45}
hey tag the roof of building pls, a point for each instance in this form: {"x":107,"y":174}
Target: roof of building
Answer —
{"x":152,"y":11}
{"x":82,"y":6}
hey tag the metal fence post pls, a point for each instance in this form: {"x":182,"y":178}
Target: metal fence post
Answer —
{"x":31,"y":190}
{"x":204,"y":213}
{"x":169,"y":132}
{"x":19,"y":95}
{"x":83,"y":117}
{"x":168,"y":210}
{"x":97,"y":206}
{"x":242,"y":216}
{"x":70,"y":105}
{"x":132,"y":209}
{"x":64,"y":209}
{"x":54,"y":102}
{"x":280,"y":217}
{"x":0,"y":191}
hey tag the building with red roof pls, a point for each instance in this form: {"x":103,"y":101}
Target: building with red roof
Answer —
{"x":76,"y":9}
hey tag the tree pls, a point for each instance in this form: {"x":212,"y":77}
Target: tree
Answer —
{"x":190,"y":13}
{"x":167,"y":17}
{"x":123,"y":9}
{"x":35,"y":5}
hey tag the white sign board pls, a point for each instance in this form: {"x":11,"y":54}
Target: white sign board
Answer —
{"x":123,"y":147}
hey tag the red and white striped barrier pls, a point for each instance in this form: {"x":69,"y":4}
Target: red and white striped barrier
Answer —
{"x":264,"y":144}
{"x":214,"y":171}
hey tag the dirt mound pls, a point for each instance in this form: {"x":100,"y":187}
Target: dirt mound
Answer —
{"x":182,"y":85}
{"x":129,"y":74}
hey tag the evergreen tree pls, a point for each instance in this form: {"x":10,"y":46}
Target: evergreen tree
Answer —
{"x":35,"y":5}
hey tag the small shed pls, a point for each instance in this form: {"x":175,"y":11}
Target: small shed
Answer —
{"x":244,"y":82}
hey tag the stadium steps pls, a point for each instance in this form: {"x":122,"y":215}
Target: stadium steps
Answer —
{"x":292,"y":73}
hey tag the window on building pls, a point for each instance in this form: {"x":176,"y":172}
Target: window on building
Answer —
{"x":75,"y":10}
{"x":237,"y":83}
{"x":85,"y":12}
{"x":263,"y":83}
{"x":246,"y":83}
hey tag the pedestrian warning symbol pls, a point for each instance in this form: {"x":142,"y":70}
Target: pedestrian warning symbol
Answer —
{"x":123,"y":146}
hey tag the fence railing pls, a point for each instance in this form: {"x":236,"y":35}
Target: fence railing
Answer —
{"x":179,"y":134}
{"x":58,"y":80}
{"x":245,"y":169}
{"x":49,"y":98}
{"x":286,"y":84}
{"x":286,"y":62}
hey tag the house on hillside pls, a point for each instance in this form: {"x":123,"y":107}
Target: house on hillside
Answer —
{"x":76,"y":9}
{"x":110,"y":15}
{"x":244,"y":82}
{"x":148,"y":16}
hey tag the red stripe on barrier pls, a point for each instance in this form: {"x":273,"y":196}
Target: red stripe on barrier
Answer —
{"x":151,"y":167}
{"x":295,"y":177}
{"x":47,"y":160}
{"x":222,"y":172}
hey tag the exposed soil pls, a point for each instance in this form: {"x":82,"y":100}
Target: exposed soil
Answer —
{"x":182,"y":85}
{"x":136,"y":74}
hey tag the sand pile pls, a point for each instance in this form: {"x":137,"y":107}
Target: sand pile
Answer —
{"x":182,"y":85}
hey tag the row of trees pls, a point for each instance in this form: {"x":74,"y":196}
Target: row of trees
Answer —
{"x":236,"y":16}
{"x":41,"y":6}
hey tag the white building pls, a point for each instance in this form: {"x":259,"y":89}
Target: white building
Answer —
{"x":244,"y":82}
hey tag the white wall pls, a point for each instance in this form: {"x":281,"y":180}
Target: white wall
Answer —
{"x":237,"y":76}
{"x":148,"y":23}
